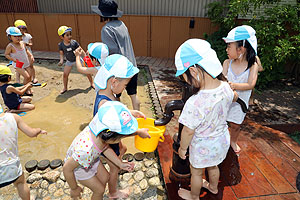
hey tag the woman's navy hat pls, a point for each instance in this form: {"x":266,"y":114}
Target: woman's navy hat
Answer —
{"x":107,"y":8}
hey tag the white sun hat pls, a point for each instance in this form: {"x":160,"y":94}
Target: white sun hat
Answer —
{"x":116,"y":117}
{"x":115,"y":65}
{"x":243,"y":32}
{"x":98,"y":50}
{"x":197,"y":51}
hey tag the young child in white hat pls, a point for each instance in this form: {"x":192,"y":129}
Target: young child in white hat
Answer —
{"x":10,"y":165}
{"x":112,"y":79}
{"x":112,"y":123}
{"x":241,"y":69}
{"x":204,"y":115}
{"x":95,"y":56}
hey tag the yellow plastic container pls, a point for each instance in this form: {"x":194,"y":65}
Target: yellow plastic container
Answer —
{"x":156,"y":133}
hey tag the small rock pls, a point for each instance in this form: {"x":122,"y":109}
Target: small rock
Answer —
{"x":36,"y":184}
{"x":51,"y":176}
{"x":127,"y":176}
{"x":66,"y":198}
{"x":60,"y":183}
{"x":67,"y":191}
{"x":44,"y":184}
{"x":62,"y":177}
{"x":137,"y":166}
{"x":155,"y":165}
{"x":154,"y":181}
{"x":138,"y":176}
{"x":34,"y":177}
{"x":148,"y":163}
{"x":144,"y":169}
{"x":151,"y":172}
{"x":43,"y":193}
{"x":131,"y":181}
{"x":123,"y":184}
{"x":137,"y":191}
{"x":143,"y":184}
{"x":58,"y":193}
{"x":52,"y":188}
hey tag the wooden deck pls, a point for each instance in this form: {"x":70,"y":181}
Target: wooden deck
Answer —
{"x":266,"y":168}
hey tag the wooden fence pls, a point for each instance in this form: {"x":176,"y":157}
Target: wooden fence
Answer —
{"x":154,"y":36}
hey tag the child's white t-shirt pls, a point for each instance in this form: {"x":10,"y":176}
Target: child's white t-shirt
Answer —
{"x":26,"y":38}
{"x":10,"y":166}
{"x":206,"y":113}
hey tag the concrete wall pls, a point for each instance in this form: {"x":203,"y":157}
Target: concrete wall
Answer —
{"x":155,"y":36}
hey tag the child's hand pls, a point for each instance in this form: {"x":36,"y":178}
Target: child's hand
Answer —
{"x":43,"y":132}
{"x":143,"y":133}
{"x":182,"y":153}
{"x":77,"y":51}
{"x":29,"y":85}
{"x":128,"y":166}
{"x":60,"y":63}
{"x":138,"y":114}
{"x":231,"y":85}
{"x":76,"y":193}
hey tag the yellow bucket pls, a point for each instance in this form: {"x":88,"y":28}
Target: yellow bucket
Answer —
{"x":156,"y":133}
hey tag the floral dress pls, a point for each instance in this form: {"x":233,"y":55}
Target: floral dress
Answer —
{"x":206,"y":113}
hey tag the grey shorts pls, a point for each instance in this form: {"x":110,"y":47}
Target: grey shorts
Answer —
{"x":69,"y":63}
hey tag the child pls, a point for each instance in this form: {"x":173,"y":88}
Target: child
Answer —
{"x":112,"y":79}
{"x":116,"y":36}
{"x":112,"y":122}
{"x":241,"y":70}
{"x":27,"y":39}
{"x":17,"y":52}
{"x":11,"y":94}
{"x":96,"y":55}
{"x":204,"y":114}
{"x":10,"y":166}
{"x":66,"y":48}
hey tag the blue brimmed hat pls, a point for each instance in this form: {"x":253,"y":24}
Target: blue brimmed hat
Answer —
{"x":14,"y":31}
{"x":99,"y":50}
{"x":115,"y":65}
{"x":197,"y":51}
{"x":243,"y":32}
{"x":116,"y":117}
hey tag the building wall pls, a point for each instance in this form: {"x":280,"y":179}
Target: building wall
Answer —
{"x":155,"y":36}
{"x":188,"y":8}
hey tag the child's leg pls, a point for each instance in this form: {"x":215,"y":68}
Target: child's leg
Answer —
{"x":234,"y":130}
{"x":96,"y":186}
{"x":196,"y":184}
{"x":25,"y":107}
{"x":25,"y":74}
{"x":22,"y":188}
{"x":214,"y":175}
{"x":122,"y":149}
{"x":102,"y":174}
{"x":91,"y":80}
{"x":135,"y":102}
{"x":26,"y":99}
{"x":34,"y":80}
{"x":114,"y":193}
{"x":67,"y":70}
{"x":18,"y":77}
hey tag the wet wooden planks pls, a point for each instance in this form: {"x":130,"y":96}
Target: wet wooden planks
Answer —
{"x":265,"y":169}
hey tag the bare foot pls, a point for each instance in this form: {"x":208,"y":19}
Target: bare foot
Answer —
{"x":63,"y":91}
{"x":236,"y":148}
{"x":120,"y":194}
{"x":206,"y":185}
{"x":186,"y":194}
{"x":35,"y":81}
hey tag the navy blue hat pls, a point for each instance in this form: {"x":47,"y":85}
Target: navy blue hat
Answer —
{"x":107,"y":8}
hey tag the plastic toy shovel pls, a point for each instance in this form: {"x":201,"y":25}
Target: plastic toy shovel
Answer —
{"x":39,"y":84}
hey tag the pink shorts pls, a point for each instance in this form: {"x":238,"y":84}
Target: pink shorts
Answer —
{"x":85,"y":174}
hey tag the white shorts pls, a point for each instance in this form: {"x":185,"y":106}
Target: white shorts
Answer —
{"x":85,"y":174}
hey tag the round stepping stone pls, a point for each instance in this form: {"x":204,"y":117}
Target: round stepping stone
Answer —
{"x":43,"y":164}
{"x":128,"y":157}
{"x":31,"y":165}
{"x":139,"y":156}
{"x":55,"y":163}
{"x":150,"y":155}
